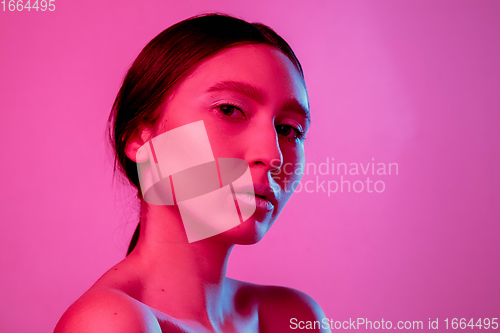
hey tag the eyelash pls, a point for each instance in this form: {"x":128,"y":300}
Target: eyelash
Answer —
{"x":299,"y":134}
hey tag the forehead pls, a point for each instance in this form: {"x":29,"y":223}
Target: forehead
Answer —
{"x":261,"y":66}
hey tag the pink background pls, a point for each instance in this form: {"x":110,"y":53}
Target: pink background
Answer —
{"x":414,"y":83}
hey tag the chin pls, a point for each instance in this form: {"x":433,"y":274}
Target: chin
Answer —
{"x":247,"y":233}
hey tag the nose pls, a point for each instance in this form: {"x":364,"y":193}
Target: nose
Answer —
{"x":263,"y":149}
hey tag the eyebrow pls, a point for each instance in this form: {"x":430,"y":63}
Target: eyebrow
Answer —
{"x":258,"y":95}
{"x":294,"y":106}
{"x":240,"y":87}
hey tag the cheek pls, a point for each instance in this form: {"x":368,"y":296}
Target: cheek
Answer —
{"x":293,"y":166}
{"x":294,"y":155}
{"x":223,"y":144}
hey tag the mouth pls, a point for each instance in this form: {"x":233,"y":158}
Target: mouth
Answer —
{"x":262,"y":196}
{"x":261,"y":202}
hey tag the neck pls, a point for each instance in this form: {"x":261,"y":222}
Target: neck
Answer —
{"x":184,"y":280}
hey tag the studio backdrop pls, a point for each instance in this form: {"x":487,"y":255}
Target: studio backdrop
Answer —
{"x":397,"y":216}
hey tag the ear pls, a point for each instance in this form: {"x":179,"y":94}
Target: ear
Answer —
{"x":141,"y":135}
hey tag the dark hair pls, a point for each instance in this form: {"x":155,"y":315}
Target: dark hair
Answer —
{"x":166,"y":61}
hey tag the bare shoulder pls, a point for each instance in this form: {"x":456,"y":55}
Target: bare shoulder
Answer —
{"x":107,"y":310}
{"x":283,"y":309}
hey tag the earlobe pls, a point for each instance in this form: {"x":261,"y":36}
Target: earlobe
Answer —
{"x":135,"y":142}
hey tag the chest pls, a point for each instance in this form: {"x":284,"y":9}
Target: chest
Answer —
{"x":248,"y":322}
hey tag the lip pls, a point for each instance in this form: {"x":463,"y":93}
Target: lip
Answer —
{"x":264,"y":196}
{"x":260,"y":203}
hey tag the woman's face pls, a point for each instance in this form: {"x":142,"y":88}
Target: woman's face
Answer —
{"x":254,"y":106}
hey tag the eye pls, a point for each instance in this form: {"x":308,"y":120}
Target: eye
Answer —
{"x":290,"y":132}
{"x":230,"y":110}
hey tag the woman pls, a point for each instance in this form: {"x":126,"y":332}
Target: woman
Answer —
{"x":240,"y":88}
